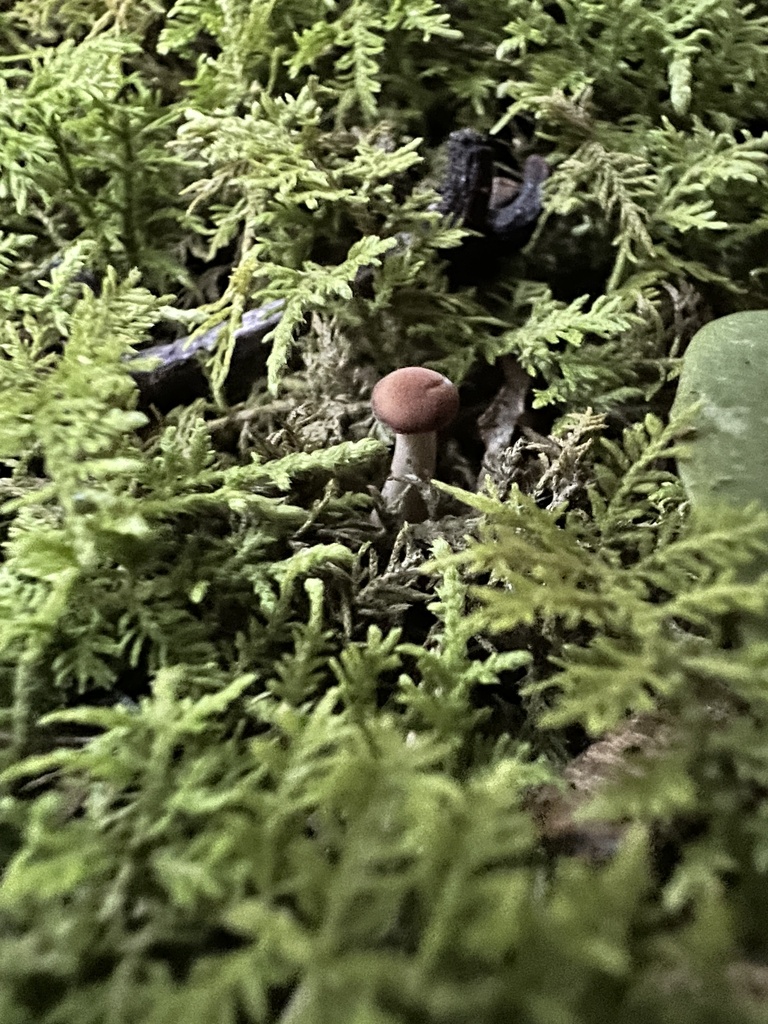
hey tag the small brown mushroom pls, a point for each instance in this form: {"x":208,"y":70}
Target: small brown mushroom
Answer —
{"x":415,"y":403}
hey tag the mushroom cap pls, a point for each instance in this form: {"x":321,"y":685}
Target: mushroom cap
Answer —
{"x":415,"y":400}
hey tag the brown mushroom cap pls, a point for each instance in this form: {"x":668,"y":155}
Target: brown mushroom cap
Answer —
{"x":415,"y":400}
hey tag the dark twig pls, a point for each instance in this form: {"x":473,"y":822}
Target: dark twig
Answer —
{"x":178,"y":376}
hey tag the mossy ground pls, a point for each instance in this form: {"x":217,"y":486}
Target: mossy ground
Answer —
{"x":264,"y":759}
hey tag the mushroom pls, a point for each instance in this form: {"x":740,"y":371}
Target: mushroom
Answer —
{"x":415,"y":403}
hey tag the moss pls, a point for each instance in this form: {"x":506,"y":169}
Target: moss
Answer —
{"x":263,"y":759}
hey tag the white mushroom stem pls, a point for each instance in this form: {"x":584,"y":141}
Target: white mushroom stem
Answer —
{"x":415,"y":455}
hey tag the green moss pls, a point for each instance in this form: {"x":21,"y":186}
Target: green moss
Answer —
{"x":262,"y":760}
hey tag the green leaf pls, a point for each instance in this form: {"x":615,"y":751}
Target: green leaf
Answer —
{"x":725,"y":380}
